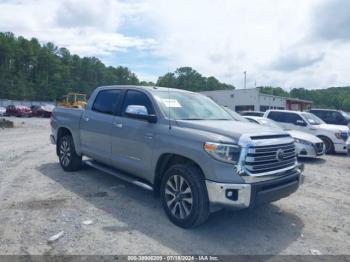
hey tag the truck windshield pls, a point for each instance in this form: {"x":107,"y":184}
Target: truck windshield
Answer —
{"x":312,"y":119}
{"x":189,"y":106}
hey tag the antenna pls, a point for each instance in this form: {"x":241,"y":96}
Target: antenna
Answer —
{"x":169,"y":107}
{"x":169,"y":112}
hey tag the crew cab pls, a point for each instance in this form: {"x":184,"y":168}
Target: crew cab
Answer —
{"x":333,"y":136}
{"x":179,"y":144}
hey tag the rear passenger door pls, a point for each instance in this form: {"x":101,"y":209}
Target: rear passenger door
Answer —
{"x":133,"y":139}
{"x":96,"y":125}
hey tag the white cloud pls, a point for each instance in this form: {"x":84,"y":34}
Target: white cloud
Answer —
{"x":224,"y":38}
{"x":85,"y":27}
{"x":289,"y":43}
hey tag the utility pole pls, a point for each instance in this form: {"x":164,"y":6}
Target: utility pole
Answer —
{"x":245,"y":79}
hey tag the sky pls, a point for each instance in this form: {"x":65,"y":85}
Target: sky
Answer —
{"x":289,"y":43}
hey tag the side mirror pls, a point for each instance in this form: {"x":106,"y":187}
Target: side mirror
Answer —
{"x":300,"y":123}
{"x":140,"y":112}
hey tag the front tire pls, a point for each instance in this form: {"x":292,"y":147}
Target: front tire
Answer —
{"x":184,"y":196}
{"x":329,"y":146}
{"x":69,"y":159}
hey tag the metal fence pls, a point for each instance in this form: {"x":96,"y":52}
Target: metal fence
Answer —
{"x":5,"y":103}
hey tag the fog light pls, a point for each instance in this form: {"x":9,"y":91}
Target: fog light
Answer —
{"x":232,"y":194}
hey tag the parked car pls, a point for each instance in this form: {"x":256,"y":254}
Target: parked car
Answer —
{"x":18,"y":111}
{"x":306,"y":145}
{"x":181,"y":145}
{"x":333,"y":136}
{"x":42,"y":110}
{"x":2,"y":111}
{"x":251,"y":113}
{"x":235,"y":115}
{"x":330,"y":116}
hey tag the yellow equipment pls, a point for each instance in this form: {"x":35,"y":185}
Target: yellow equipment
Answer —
{"x":73,"y":100}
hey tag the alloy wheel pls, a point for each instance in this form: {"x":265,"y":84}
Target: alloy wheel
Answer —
{"x":178,"y":196}
{"x":65,"y":153}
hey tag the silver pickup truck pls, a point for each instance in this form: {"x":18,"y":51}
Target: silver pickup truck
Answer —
{"x":181,"y":145}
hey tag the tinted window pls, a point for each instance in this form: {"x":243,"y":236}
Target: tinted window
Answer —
{"x":106,"y":101}
{"x":138,"y":98}
{"x":277,"y":116}
{"x":284,"y":117}
{"x":319,"y":113}
{"x":291,"y":118}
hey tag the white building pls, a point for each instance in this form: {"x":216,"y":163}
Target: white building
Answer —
{"x":253,"y":100}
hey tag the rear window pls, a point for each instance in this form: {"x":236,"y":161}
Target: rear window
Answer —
{"x":107,"y":101}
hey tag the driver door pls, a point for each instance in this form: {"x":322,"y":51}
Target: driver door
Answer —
{"x":132,"y":138}
{"x":293,"y":121}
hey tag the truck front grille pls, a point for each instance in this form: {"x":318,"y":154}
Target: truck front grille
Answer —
{"x":272,"y":159}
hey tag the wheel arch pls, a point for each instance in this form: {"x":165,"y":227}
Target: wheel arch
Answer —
{"x":63,"y":131}
{"x":165,"y":161}
{"x":320,"y":136}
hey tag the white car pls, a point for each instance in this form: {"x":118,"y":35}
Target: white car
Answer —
{"x":306,"y":145}
{"x":333,"y":136}
{"x":2,"y":111}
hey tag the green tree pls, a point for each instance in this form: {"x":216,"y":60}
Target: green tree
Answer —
{"x":189,"y":79}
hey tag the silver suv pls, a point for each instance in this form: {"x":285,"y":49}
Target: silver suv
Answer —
{"x":179,"y":144}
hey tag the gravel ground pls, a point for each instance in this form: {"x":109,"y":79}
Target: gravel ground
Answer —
{"x":38,"y":200}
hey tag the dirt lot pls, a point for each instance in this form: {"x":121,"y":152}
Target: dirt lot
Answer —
{"x":38,"y":200}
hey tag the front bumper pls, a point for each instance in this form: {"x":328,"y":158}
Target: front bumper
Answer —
{"x":239,"y":196}
{"x":340,"y":147}
{"x":308,"y":151}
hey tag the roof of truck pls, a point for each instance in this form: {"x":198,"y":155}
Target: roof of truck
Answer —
{"x":148,"y":88}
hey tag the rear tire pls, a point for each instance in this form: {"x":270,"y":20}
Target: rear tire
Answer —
{"x":329,"y":146}
{"x":69,"y":159}
{"x":184,"y":196}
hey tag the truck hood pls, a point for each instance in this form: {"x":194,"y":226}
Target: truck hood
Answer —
{"x":304,"y":136}
{"x":335,"y":128}
{"x":232,"y":129}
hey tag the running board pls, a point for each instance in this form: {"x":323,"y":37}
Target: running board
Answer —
{"x":118,"y":174}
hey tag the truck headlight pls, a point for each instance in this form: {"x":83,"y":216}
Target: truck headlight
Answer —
{"x":342,"y":135}
{"x":223,"y":152}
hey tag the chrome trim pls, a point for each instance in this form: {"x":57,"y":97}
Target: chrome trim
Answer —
{"x":217,"y":194}
{"x":247,"y":143}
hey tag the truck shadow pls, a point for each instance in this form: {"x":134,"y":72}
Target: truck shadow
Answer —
{"x":265,"y":230}
{"x":312,"y":161}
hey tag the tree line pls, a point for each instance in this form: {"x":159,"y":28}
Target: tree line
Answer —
{"x":34,"y":71}
{"x":332,"y":97}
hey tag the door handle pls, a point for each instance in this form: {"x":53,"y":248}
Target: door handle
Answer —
{"x":86,"y":119}
{"x":119,"y":125}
